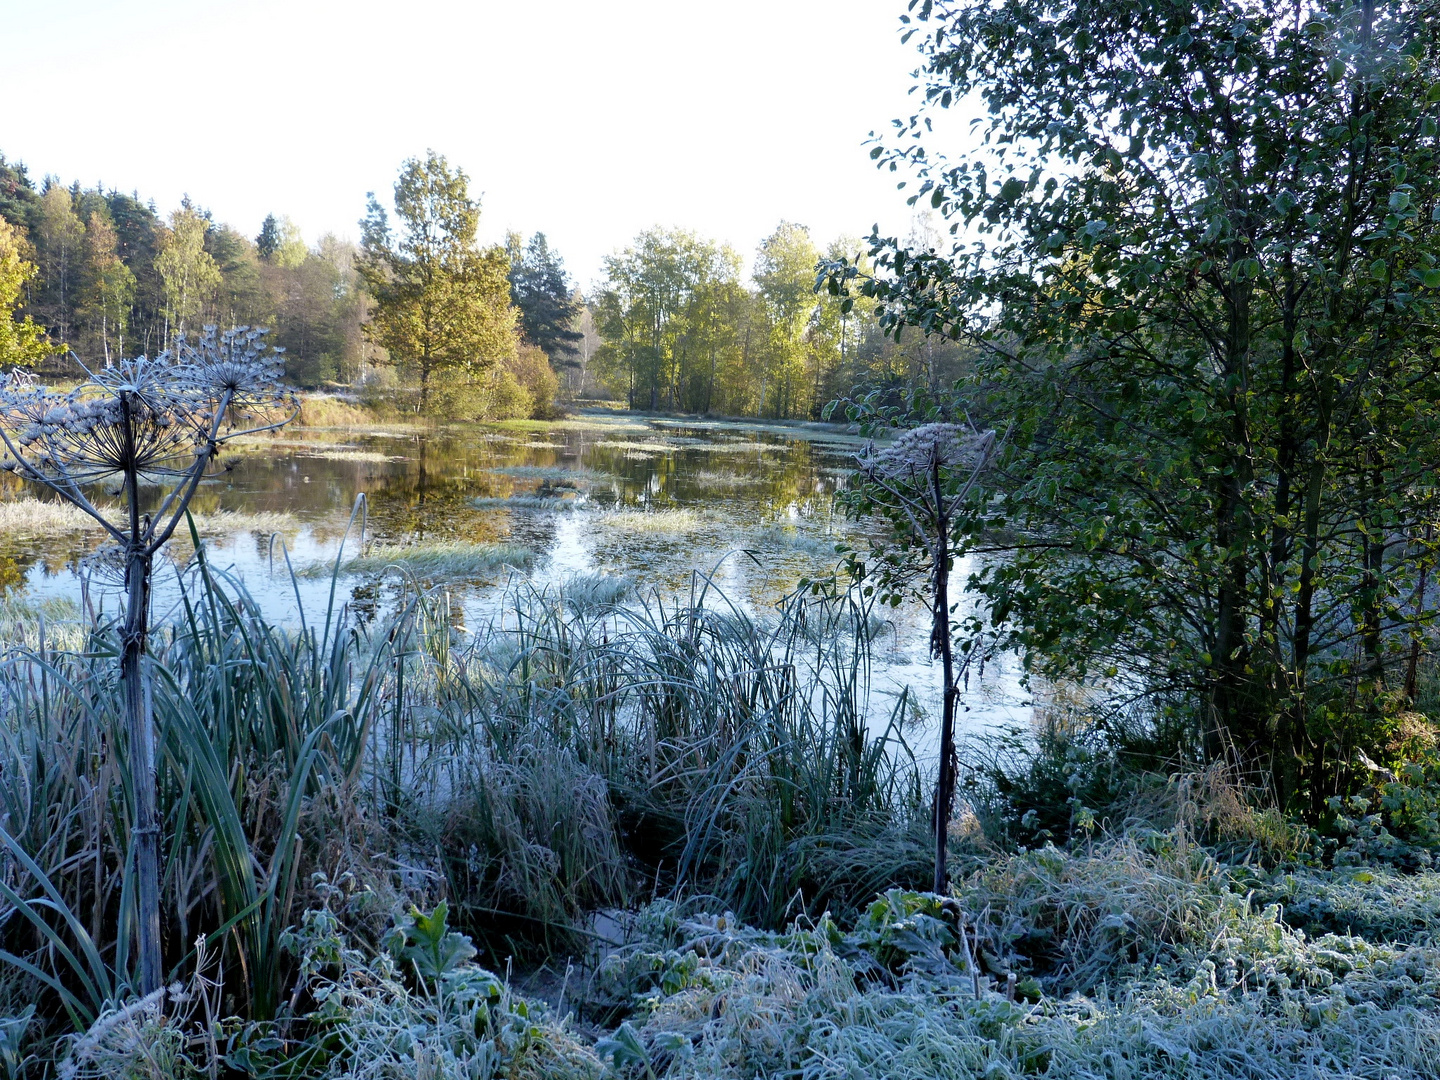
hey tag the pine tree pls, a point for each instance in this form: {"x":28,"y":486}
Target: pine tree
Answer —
{"x":540,"y":289}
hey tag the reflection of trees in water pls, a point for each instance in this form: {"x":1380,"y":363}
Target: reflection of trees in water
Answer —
{"x":53,"y":554}
{"x":732,"y":478}
{"x":12,"y":573}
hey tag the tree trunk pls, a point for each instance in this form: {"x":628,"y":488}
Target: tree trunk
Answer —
{"x":1412,"y":668}
{"x":1291,"y":745}
{"x":941,"y":645}
{"x":140,"y":729}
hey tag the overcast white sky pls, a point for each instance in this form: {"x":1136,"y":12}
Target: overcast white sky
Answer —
{"x":588,"y":121}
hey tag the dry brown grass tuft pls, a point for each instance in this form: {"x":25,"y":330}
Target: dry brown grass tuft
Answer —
{"x":324,"y":411}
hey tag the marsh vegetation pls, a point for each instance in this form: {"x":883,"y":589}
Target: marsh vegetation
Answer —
{"x":615,"y":745}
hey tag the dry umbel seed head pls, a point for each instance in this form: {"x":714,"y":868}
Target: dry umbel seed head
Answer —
{"x":151,"y":416}
{"x":919,"y":450}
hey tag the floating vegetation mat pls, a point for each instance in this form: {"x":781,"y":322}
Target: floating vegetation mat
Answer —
{"x":713,"y":478}
{"x":746,"y":448}
{"x":36,"y":518}
{"x":653,"y":521}
{"x":352,"y":455}
{"x":553,"y":473}
{"x":566,"y":500}
{"x":794,"y":538}
{"x":646,"y":447}
{"x":447,"y":559}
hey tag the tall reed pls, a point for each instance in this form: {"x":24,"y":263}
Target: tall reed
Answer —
{"x":575,"y":753}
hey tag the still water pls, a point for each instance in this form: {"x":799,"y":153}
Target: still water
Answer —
{"x":647,"y":500}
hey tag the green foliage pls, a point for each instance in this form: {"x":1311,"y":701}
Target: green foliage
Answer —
{"x":442,"y":304}
{"x":187,"y":271}
{"x":1377,"y":903}
{"x":369,"y":1022}
{"x":22,"y":343}
{"x":561,"y":760}
{"x":1396,"y":823}
{"x":1188,"y":978}
{"x":1204,"y":310}
{"x":540,"y":290}
{"x":428,"y":944}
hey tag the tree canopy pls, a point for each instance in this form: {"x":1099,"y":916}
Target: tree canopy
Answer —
{"x":22,"y":343}
{"x":1197,"y":251}
{"x":442,"y":304}
{"x":540,"y":291}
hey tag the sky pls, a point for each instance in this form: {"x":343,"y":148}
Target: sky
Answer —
{"x":588,"y":121}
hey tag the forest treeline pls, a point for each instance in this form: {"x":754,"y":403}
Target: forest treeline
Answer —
{"x":677,"y":322}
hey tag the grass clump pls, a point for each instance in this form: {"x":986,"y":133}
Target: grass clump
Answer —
{"x":793,"y":538}
{"x":677,"y":522}
{"x":571,"y":476}
{"x":438,"y":560}
{"x":328,"y":411}
{"x":51,"y":623}
{"x":587,"y":592}
{"x":42,"y":518}
{"x":369,"y":457}
{"x":28,"y":516}
{"x":559,"y":501}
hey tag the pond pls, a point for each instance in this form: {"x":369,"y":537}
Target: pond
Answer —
{"x":643,"y":502}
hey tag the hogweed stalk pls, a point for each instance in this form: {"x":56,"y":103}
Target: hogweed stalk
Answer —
{"x":926,"y":474}
{"x":142,"y":422}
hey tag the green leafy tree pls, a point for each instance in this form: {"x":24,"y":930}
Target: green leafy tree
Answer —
{"x":22,"y":343}
{"x":785,"y":274}
{"x":1199,"y":266}
{"x":59,"y":237}
{"x":188,"y":273}
{"x":108,"y":287}
{"x":280,"y":242}
{"x":243,"y":296}
{"x":138,"y":231}
{"x":442,"y":304}
{"x":650,"y":313}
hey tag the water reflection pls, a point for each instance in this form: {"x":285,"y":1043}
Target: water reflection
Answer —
{"x":647,"y":500}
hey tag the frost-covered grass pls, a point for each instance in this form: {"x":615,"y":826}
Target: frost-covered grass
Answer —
{"x":677,"y":522}
{"x":54,"y":622}
{"x":552,"y":473}
{"x":31,"y":517}
{"x":585,"y":592}
{"x":578,"y":754}
{"x":912,"y":988}
{"x":648,"y":447}
{"x":369,"y":457}
{"x":438,"y":560}
{"x":1201,"y":984}
{"x":1377,"y":903}
{"x":794,"y":538}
